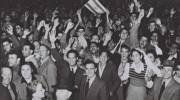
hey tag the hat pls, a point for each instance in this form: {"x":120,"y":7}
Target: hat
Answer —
{"x":168,"y":63}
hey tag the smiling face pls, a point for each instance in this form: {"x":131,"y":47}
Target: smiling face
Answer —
{"x":39,"y":93}
{"x":6,"y":76}
{"x":26,"y":71}
{"x":136,"y":57}
{"x":167,"y":71}
{"x":124,"y":53}
{"x":90,"y":70}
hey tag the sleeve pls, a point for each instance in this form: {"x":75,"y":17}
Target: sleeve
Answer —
{"x":125,"y":75}
{"x":51,"y":76}
{"x":103,"y":93}
{"x":176,"y":95}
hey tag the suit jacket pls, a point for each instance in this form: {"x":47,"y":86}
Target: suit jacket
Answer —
{"x":110,"y":77}
{"x":49,"y":71}
{"x":4,"y":93}
{"x":171,"y":92}
{"x":77,"y":77}
{"x":97,"y":91}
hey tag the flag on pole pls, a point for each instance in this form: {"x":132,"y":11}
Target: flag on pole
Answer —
{"x":95,"y":7}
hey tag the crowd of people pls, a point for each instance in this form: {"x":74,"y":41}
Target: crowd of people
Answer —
{"x":57,"y":53}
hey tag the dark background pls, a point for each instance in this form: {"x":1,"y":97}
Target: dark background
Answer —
{"x":69,"y":3}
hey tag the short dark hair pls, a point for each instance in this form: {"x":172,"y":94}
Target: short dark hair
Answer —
{"x":126,"y":47}
{"x":105,"y":51}
{"x":6,"y":40}
{"x":15,"y":52}
{"x":72,"y":51}
{"x":88,"y":61}
{"x":153,"y":52}
{"x":32,"y":66}
{"x":31,"y":46}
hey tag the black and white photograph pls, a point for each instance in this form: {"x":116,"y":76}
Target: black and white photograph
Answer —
{"x":89,"y":49}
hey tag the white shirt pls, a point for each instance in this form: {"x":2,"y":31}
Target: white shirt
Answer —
{"x":101,"y":70}
{"x":91,"y":80}
{"x":166,"y":81}
{"x":172,"y":56}
{"x":74,"y":68}
{"x":125,"y":74}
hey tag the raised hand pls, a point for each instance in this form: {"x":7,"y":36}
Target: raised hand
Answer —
{"x":141,"y":14}
{"x":98,"y":21}
{"x":108,"y":36}
{"x":26,"y":32}
{"x":78,"y":12}
{"x":26,"y":15}
{"x":70,"y":25}
{"x":47,"y":27}
{"x":56,"y":22}
{"x":9,"y":29}
{"x":35,"y":15}
{"x":52,"y":36}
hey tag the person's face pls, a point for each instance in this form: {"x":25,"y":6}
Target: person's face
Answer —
{"x":7,"y":46}
{"x":26,"y":51}
{"x":131,"y":7}
{"x":26,"y":71}
{"x":167,"y":71}
{"x":7,"y":18}
{"x":173,"y":49}
{"x":143,"y":42}
{"x":178,"y":71}
{"x":18,"y":30}
{"x":12,"y":60}
{"x":124,"y":53}
{"x":36,"y":45}
{"x":124,"y":34}
{"x":154,"y":37}
{"x":93,"y":48}
{"x":30,"y":38}
{"x":111,"y":45}
{"x":136,"y":57}
{"x":103,"y":57}
{"x":72,"y":59}
{"x":44,"y":52}
{"x":80,"y":32}
{"x":178,"y":40}
{"x":90,"y":70}
{"x":133,"y":17}
{"x":151,"y":57}
{"x":7,"y":76}
{"x":152,"y":26}
{"x":40,"y":91}
{"x":95,"y":38}
{"x":118,"y":22}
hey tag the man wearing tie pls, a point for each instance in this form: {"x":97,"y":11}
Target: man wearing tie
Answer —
{"x":166,"y":87}
{"x":92,"y":88}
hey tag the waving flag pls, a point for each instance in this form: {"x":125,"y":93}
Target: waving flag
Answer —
{"x":95,"y":7}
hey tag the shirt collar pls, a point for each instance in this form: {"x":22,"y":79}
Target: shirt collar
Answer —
{"x":44,"y":60}
{"x":29,"y":57}
{"x":24,"y":81}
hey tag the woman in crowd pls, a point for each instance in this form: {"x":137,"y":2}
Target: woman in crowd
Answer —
{"x":28,"y":75}
{"x":137,"y":71}
{"x":36,"y":91}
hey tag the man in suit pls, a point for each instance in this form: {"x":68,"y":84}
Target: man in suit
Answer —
{"x":76,"y":73}
{"x":7,"y":87}
{"x":92,"y":88}
{"x":48,"y":68}
{"x":166,"y":87}
{"x":108,"y":72}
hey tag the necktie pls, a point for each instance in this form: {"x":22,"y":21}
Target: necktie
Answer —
{"x":162,"y":89}
{"x":87,"y":87}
